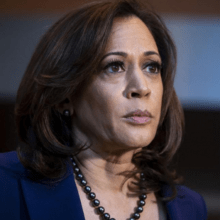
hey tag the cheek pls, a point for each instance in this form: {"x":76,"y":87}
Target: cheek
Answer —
{"x":105,"y":97}
{"x":97,"y":105}
{"x":158,"y":96}
{"x":96,"y":113}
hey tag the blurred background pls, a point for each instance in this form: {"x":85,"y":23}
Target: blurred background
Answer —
{"x":195,"y":27}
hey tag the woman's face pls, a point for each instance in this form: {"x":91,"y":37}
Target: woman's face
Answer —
{"x":129,"y":80}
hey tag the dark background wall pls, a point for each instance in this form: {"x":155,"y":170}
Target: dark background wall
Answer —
{"x":195,"y":27}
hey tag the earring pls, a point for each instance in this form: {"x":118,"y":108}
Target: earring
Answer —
{"x":66,"y":113}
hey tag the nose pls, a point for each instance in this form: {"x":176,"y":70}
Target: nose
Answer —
{"x":138,"y":85}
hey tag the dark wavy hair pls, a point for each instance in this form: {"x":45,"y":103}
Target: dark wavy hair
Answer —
{"x":63,"y":63}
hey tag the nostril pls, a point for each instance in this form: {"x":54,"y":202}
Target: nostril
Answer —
{"x":134,"y":94}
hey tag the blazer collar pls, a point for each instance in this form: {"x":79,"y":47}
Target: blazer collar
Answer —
{"x":52,"y":201}
{"x":46,"y":200}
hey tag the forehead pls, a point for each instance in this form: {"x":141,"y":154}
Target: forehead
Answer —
{"x":128,"y":33}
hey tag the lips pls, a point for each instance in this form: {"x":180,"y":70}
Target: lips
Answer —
{"x":138,"y":117}
{"x":138,"y":113}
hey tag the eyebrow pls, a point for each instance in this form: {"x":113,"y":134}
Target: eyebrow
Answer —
{"x":123,"y":54}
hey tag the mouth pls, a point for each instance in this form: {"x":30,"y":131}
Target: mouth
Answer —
{"x":139,"y":113}
{"x":138,"y":117}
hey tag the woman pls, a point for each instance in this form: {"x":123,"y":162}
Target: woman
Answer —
{"x":97,"y":100}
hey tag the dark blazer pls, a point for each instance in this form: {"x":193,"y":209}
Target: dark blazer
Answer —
{"x":21,"y":198}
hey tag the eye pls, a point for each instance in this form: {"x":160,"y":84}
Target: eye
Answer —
{"x":153,"y":67}
{"x":114,"y":67}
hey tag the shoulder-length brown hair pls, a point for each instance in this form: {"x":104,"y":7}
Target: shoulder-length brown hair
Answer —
{"x":63,"y":63}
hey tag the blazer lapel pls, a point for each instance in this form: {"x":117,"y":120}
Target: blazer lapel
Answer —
{"x":48,"y":201}
{"x":52,"y":201}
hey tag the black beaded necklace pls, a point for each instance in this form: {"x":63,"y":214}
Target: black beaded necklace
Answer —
{"x":100,"y":210}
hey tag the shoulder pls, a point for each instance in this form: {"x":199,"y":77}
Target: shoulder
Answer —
{"x":182,"y":192}
{"x":195,"y":200}
{"x":187,"y":202}
{"x":187,"y":192}
{"x":8,"y":157}
{"x":191,"y":196}
{"x":10,"y":163}
{"x":11,"y":170}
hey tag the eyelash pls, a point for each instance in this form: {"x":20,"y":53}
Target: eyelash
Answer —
{"x":154,"y":64}
{"x":112,"y":63}
{"x":119,"y":63}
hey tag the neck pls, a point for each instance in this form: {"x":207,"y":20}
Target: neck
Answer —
{"x":104,"y":171}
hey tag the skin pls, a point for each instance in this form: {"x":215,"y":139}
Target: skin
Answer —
{"x":98,"y":118}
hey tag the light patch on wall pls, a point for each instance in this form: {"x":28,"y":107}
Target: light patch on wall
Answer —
{"x":198,"y":45}
{"x":198,"y":70}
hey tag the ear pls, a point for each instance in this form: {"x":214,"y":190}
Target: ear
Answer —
{"x":65,"y":105}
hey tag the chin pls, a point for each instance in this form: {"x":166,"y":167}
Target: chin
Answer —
{"x":137,"y":137}
{"x":139,"y":141}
